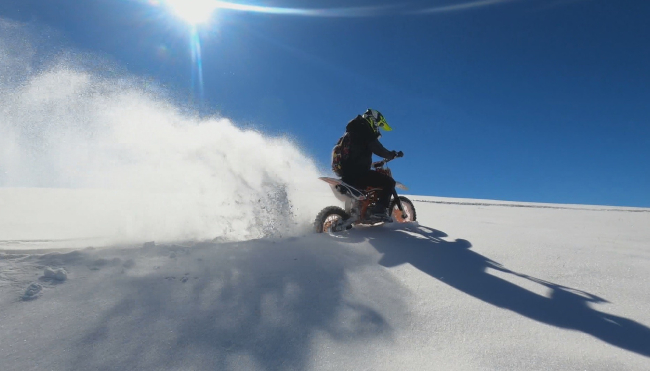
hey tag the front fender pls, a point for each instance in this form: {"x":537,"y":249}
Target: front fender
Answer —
{"x":401,"y":186}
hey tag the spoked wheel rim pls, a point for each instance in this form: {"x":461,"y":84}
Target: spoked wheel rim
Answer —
{"x":330,"y":221}
{"x":397,"y":214}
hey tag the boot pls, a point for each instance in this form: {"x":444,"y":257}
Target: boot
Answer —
{"x":380,"y":212}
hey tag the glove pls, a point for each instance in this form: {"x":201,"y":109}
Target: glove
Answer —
{"x":395,"y":154}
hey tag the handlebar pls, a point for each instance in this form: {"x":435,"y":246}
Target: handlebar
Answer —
{"x":383,"y":162}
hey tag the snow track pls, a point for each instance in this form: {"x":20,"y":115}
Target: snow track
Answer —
{"x":468,"y":288}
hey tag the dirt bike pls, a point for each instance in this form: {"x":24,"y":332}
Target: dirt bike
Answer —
{"x":358,"y":204}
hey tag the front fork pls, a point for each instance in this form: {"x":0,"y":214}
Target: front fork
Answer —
{"x":399,"y":204}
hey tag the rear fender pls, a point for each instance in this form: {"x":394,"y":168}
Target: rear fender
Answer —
{"x":343,"y":191}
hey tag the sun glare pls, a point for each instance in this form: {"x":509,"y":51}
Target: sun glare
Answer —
{"x":193,"y":11}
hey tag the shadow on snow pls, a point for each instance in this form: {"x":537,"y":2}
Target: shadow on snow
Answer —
{"x":262,"y":305}
{"x":466,"y":270}
{"x":247,"y":305}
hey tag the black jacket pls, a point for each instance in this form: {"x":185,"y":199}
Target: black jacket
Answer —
{"x":363,"y":143}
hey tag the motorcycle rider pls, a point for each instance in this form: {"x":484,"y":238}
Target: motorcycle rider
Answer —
{"x":355,"y":170}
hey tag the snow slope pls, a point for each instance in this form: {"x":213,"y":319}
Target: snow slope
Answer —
{"x":475,"y":285}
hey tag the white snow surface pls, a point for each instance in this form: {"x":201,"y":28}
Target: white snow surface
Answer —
{"x":474,"y":285}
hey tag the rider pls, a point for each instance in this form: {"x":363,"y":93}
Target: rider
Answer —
{"x":364,"y":141}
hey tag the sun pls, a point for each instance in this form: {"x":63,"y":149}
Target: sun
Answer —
{"x":193,"y":11}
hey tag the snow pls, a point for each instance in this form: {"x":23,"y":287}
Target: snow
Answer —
{"x":110,"y":160}
{"x":32,"y":292}
{"x":58,"y":274}
{"x":474,"y":285}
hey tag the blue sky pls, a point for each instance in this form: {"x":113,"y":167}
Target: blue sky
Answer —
{"x":525,"y":100}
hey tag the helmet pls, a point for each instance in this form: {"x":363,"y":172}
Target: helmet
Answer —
{"x":376,"y":120}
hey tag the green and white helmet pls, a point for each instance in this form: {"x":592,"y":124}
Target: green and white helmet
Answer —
{"x":376,"y":120}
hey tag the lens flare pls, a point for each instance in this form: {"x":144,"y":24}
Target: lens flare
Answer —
{"x":369,"y":11}
{"x":199,"y":11}
{"x":193,"y":11}
{"x":462,"y":6}
{"x":197,"y":62}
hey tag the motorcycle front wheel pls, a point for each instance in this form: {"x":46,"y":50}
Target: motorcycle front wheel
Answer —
{"x":409,"y":214}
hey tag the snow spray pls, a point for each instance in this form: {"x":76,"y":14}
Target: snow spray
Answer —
{"x":108,"y":157}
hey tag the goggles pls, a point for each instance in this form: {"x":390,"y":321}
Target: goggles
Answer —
{"x":381,"y":123}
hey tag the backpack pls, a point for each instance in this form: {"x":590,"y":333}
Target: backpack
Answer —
{"x":340,"y":154}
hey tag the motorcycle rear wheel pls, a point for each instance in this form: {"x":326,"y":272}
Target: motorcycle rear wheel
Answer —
{"x":328,"y":218}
